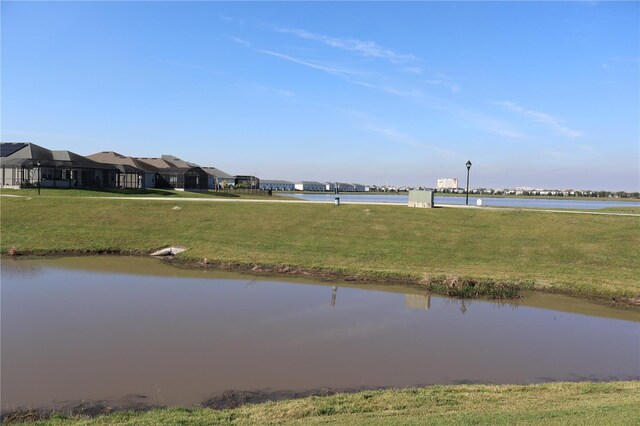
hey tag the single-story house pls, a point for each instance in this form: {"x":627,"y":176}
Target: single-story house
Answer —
{"x":219,"y":179}
{"x":26,"y":164}
{"x":133,"y":173}
{"x":175,"y":173}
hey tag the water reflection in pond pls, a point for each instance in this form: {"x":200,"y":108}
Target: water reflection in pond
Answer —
{"x":108,"y":327}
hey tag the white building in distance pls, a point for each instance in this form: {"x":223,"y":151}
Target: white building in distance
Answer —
{"x":447,"y":183}
{"x":346,"y":187}
{"x":310,"y":186}
{"x":277,"y":185}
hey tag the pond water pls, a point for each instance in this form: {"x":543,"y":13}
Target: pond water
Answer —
{"x":107,"y":327}
{"x":541,"y":203}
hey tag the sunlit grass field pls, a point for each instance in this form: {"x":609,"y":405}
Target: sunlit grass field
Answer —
{"x":578,"y":254}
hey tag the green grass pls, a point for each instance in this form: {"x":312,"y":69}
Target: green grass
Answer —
{"x":155,"y":193}
{"x":627,"y":210}
{"x":575,"y":254}
{"x":546,"y":404}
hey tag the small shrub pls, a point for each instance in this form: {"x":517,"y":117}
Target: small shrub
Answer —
{"x":466,"y":288}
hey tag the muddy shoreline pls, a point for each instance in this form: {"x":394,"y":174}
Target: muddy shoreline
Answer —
{"x":226,"y":400}
{"x":453,"y":286}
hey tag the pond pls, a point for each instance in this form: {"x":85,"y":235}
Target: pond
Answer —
{"x":108,"y":327}
{"x":540,"y":203}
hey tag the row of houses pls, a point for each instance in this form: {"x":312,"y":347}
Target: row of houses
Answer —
{"x":26,"y":164}
{"x":283,"y":185}
{"x":29,"y":165}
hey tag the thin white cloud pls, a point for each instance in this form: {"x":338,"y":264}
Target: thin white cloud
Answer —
{"x":413,"y":70}
{"x":364,"y":48}
{"x":453,"y":88}
{"x":407,"y":63}
{"x":260,"y":89}
{"x":326,"y":68}
{"x":442,"y":79}
{"x":541,"y":117}
{"x":392,"y":135}
{"x":232,"y":19}
{"x":240,"y":41}
{"x":412,"y":93}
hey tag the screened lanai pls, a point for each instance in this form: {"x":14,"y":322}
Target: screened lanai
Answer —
{"x":27,"y":165}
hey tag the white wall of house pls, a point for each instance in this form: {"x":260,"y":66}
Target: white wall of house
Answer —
{"x":310,"y":186}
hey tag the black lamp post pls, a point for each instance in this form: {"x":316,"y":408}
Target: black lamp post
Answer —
{"x":468,"y":167}
{"x":39,"y":173}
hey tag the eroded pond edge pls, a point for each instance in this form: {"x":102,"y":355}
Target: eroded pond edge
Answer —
{"x":234,"y":399}
{"x":463,"y":287}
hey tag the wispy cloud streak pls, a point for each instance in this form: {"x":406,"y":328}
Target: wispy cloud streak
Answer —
{"x":392,"y":135}
{"x":413,"y":93}
{"x":326,"y":68}
{"x":364,"y":48}
{"x":541,"y":117}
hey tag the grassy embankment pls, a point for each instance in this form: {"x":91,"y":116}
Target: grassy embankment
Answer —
{"x":574,"y":254}
{"x":545,"y":404}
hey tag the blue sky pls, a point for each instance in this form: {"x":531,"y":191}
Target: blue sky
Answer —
{"x":543,"y":94}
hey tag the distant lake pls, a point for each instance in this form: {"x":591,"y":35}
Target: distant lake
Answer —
{"x":130,"y":327}
{"x":541,"y":203}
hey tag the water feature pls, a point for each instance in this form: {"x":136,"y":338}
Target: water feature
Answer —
{"x":108,"y":327}
{"x":541,"y":203}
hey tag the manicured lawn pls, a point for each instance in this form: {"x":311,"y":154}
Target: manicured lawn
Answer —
{"x":579,"y":254}
{"x":155,"y":193}
{"x":546,"y":404}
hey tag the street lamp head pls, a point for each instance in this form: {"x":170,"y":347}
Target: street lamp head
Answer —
{"x":38,"y":163}
{"x":468,"y":165}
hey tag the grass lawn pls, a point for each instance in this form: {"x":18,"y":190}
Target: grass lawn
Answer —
{"x":155,"y":193}
{"x":546,"y":404}
{"x":577,"y":254}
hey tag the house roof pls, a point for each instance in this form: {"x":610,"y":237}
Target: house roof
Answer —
{"x":30,"y":151}
{"x":127,"y":163}
{"x":8,"y":148}
{"x":178,"y":162}
{"x":217,"y":173}
{"x":158,"y":163}
{"x":168,"y":164}
{"x":34,"y":155}
{"x":267,"y":181}
{"x":112,"y":157}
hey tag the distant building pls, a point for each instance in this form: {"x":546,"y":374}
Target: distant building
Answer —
{"x":447,"y":183}
{"x":345,"y":187}
{"x":277,"y":185}
{"x":310,"y":186}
